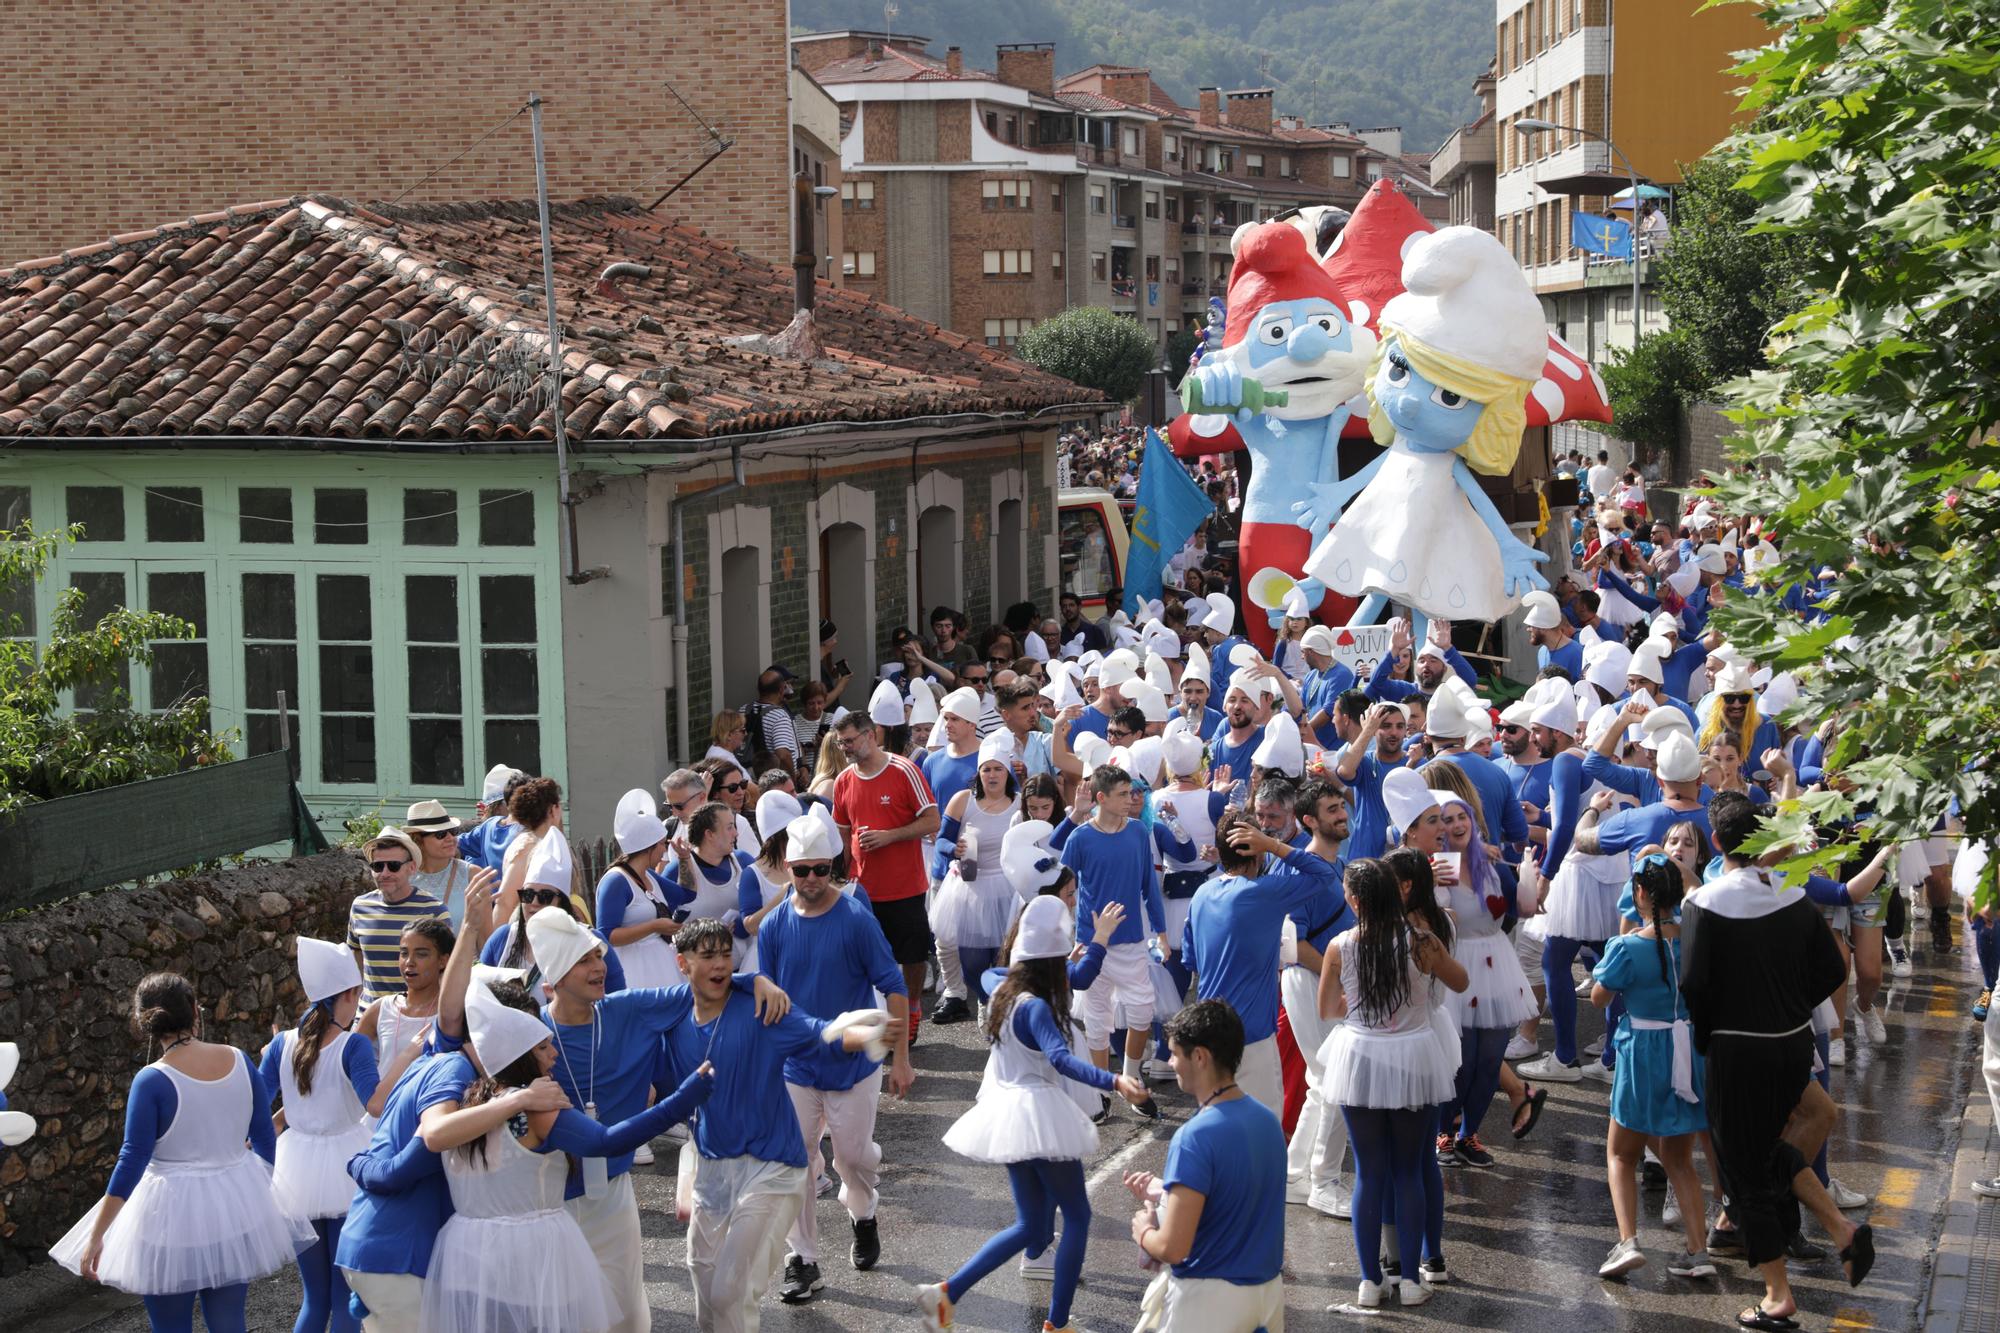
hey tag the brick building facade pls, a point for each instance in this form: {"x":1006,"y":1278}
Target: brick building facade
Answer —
{"x":122,"y":113}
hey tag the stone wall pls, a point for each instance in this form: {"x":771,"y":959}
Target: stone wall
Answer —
{"x":66,"y":979}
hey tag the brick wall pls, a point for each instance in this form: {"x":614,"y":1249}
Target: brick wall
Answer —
{"x":975,"y":229}
{"x":123,"y":115}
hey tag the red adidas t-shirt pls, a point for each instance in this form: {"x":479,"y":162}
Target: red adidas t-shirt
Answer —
{"x":892,"y":799}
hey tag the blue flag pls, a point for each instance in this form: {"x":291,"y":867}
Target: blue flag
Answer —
{"x":1601,"y":235}
{"x":1169,"y":509}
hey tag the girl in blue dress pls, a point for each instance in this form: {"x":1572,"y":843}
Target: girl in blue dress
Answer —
{"x":1656,"y":1086}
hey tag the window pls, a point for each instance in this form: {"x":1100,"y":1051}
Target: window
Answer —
{"x":1173,"y":209}
{"x":101,"y":510}
{"x":346,"y":678}
{"x":1055,"y":262}
{"x":1284,"y":166}
{"x":1006,"y":332}
{"x":1097,"y":199}
{"x":1152,"y":204}
{"x":1343,"y":166}
{"x":509,"y":667}
{"x":1152,"y":268}
{"x":1173,"y":271}
{"x":17,"y":596}
{"x":1099,"y":268}
{"x":173,"y":513}
{"x":857,"y":194}
{"x":264,"y":515}
{"x":1006,"y":194}
{"x":180,"y":666}
{"x":858,"y":263}
{"x":1170,"y":145}
{"x":340,"y":517}
{"x":993,"y":123}
{"x":1253,"y":164}
{"x":1131,"y":141}
{"x":270,"y":658}
{"x":1056,"y":195}
{"x":1010,"y":130}
{"x":430,"y":518}
{"x":1374,"y":171}
{"x":1009,"y":263}
{"x":506,"y":518}
{"x":436,"y":670}
{"x":1227,"y":162}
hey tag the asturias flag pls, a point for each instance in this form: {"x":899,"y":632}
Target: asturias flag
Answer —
{"x":1169,"y":509}
{"x":1601,"y":235}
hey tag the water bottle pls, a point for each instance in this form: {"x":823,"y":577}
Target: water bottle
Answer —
{"x":968,"y":864}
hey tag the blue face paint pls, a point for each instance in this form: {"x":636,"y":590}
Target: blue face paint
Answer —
{"x":1430,"y":418}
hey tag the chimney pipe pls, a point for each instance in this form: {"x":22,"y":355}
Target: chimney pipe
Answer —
{"x":954,"y":61}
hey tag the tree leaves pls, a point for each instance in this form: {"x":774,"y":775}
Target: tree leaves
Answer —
{"x":1091,"y":346}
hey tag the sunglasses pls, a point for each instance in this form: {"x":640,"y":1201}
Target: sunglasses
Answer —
{"x":815,"y":870}
{"x":542,"y":897}
{"x":435,"y":833}
{"x":733,"y":786}
{"x":1117,"y":734}
{"x":968,"y":678}
{"x":1736,"y":698}
{"x":386,"y":867}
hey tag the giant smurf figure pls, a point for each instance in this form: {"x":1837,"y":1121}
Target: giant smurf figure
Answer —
{"x":16,"y":1127}
{"x":1461,"y":348}
{"x":1280,"y":386}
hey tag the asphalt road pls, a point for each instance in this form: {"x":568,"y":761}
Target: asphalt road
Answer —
{"x":1522,"y":1240}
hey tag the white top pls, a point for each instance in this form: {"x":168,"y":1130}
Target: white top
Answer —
{"x":1415,"y":1013}
{"x":394,"y":1030}
{"x":992,"y":830}
{"x":511,"y":1182}
{"x":332,"y":1106}
{"x":209,"y":1118}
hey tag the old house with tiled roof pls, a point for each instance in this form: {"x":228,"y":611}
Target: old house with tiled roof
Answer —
{"x":325,"y":434}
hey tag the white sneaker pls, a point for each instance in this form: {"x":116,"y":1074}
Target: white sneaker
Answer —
{"x":1411,"y":1292}
{"x":934,"y":1306}
{"x":1548,"y":1069}
{"x":1872,"y":1024}
{"x":642,"y":1155}
{"x":1836,"y":1053}
{"x":1042,"y":1268}
{"x":824,"y":1185}
{"x":1594,"y":1049}
{"x":1842,"y":1196}
{"x":1624,"y":1257}
{"x":1583,"y":988}
{"x":1595,"y":1070}
{"x":1899,"y":959}
{"x":1670,"y":1214}
{"x":1369,"y":1297}
{"x":1520,"y":1047}
{"x":1329,"y":1201}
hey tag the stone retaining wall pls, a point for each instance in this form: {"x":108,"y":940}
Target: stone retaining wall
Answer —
{"x":66,"y":978}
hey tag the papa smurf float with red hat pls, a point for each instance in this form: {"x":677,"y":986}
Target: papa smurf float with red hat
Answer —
{"x":1281,"y":385}
{"x":1461,"y":349}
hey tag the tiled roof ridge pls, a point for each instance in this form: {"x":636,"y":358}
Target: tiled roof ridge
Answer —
{"x":201,"y":223}
{"x":480,"y":303}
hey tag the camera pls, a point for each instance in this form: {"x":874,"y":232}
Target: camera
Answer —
{"x":840,"y":669}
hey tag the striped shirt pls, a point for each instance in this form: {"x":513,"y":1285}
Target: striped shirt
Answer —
{"x":376,"y":929}
{"x":892,"y":799}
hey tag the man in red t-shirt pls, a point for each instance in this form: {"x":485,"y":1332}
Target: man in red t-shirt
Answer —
{"x":885,"y":811}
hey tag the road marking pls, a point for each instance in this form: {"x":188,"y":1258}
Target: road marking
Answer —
{"x":1899,"y":1187}
{"x":1852,"y":1317}
{"x":1115,"y":1168}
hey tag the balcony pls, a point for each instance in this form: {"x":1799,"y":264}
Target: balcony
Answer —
{"x":1123,"y":221}
{"x":1124,"y":289}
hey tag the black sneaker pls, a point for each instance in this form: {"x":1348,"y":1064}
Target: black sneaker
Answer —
{"x":867,"y":1244}
{"x":1721,"y":1241}
{"x":1652,"y":1175}
{"x":1392,"y":1268}
{"x":1940,"y":930}
{"x":1150,"y":1108}
{"x":951,"y":1009}
{"x":801,"y":1281}
{"x":1103,"y":1110}
{"x":1433,"y":1271}
{"x":1798,"y":1247}
{"x":1472,"y":1152}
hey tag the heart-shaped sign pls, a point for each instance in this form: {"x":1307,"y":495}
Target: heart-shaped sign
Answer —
{"x":1345,"y":639}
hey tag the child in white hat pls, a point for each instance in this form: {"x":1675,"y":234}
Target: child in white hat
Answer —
{"x":974,"y":904}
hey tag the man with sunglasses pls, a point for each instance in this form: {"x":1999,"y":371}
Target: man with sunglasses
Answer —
{"x":376,"y":919}
{"x":827,"y":952}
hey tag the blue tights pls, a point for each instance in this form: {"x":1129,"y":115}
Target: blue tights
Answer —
{"x":221,"y":1309}
{"x":1558,"y":952}
{"x":325,"y":1288}
{"x":1389,"y":1152}
{"x":974,"y":962}
{"x":1481,"y":1051}
{"x":1433,"y":1177}
{"x":1986,"y":943}
{"x":1040,"y":1186}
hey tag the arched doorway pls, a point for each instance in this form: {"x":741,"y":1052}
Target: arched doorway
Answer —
{"x":741,"y":641}
{"x":1009,"y":556}
{"x":845,"y":586}
{"x":940,"y":564}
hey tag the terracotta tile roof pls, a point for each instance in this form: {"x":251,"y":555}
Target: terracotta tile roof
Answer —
{"x":896,"y":65}
{"x":315,"y":318}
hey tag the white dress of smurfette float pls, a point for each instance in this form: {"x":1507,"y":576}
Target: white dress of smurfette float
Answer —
{"x":1397,"y":1061}
{"x":203,"y":1214}
{"x":323,"y":1129}
{"x":976,"y":913}
{"x":1412,"y":536}
{"x":1582,"y":899}
{"x":1025,"y":1109}
{"x":1497,"y":993}
{"x":512,"y":1259}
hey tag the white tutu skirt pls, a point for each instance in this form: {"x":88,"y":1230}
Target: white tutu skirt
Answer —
{"x":187,"y":1228}
{"x":1390,"y":1071}
{"x":521,"y":1274}
{"x":1583,"y":898}
{"x":1017,"y":1124}
{"x":976,"y":913}
{"x":309,"y":1179}
{"x":1498,"y":994}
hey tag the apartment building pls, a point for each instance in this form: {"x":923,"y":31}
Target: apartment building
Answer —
{"x":988,"y":200}
{"x":1648,"y":76}
{"x":1462,"y":167}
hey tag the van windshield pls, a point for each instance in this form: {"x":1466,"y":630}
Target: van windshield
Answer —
{"x":1086,"y":553}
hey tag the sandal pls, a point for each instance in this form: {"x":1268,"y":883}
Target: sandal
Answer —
{"x":1532,"y":1104}
{"x":1858,"y":1256}
{"x":1760,"y":1318}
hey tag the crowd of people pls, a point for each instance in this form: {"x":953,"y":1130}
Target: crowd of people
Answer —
{"x":1345,"y":916}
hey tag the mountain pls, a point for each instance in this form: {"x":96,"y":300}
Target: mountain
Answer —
{"x":1361,"y":61}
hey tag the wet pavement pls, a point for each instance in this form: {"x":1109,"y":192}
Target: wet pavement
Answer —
{"x":1522,"y":1240}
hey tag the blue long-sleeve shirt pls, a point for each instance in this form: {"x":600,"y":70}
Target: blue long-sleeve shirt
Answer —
{"x":485,"y":843}
{"x":1035,"y":1024}
{"x":1232,"y":937}
{"x":1382,"y":689}
{"x":1569,"y":657}
{"x":357,"y":1064}
{"x":1321,"y":692}
{"x":828,"y":964}
{"x":1117,"y":867}
{"x":149,"y":1113}
{"x":403,"y":1200}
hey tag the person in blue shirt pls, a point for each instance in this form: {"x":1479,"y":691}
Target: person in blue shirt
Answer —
{"x":1232,"y":937}
{"x":753,"y":1177}
{"x":826,"y":950}
{"x":1194,"y":694}
{"x":485,"y":843}
{"x":1319,"y":1136}
{"x":509,"y":947}
{"x":1549,"y":632}
{"x":1326,"y":680}
{"x":1232,"y":747}
{"x":1216,"y":1214}
{"x":1375,"y":750}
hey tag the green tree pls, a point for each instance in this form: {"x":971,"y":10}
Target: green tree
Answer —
{"x":1647,"y":385}
{"x":1180,"y":346}
{"x":45,"y":752}
{"x":1870,"y":442}
{"x":1089,"y":345}
{"x":1722,"y":283}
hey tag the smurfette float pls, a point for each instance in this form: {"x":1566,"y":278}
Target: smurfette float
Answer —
{"x":1461,"y":349}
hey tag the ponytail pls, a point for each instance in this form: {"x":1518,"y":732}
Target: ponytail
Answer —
{"x":305,"y":1051}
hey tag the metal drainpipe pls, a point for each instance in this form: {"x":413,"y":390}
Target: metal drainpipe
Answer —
{"x":680,"y":633}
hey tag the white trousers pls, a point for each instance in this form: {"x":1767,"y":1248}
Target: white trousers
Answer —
{"x":848,"y":1117}
{"x":1990,"y":1064}
{"x":1260,"y":1075}
{"x":1127,"y":981}
{"x":1319,"y":1140}
{"x":610,"y":1223}
{"x":395,"y":1301}
{"x":743,"y":1207}
{"x":1211,"y":1305}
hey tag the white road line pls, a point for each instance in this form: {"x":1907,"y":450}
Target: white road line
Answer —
{"x":1115,"y":1168}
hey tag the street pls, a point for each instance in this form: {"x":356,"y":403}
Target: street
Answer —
{"x":1522,"y":1240}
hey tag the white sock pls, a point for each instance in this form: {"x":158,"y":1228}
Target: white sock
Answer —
{"x":1131,"y":1068}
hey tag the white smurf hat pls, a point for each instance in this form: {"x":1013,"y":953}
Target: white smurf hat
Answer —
{"x":962,"y":703}
{"x":551,"y":863}
{"x":637,"y":824}
{"x":500,"y":1034}
{"x":885,"y":706}
{"x":923,"y":710}
{"x":1045,"y":930}
{"x":1148,"y":699}
{"x":1026,"y":859}
{"x":1183,"y":753}
{"x":1464,"y":295}
{"x":494,"y":785}
{"x":326,"y":970}
{"x":1221,"y":614}
{"x":1451,"y":708}
{"x":1676,"y":759}
{"x":1281,"y":750}
{"x":1557,"y":712}
{"x":1061,"y":689}
{"x":1664,"y":624}
{"x":806,"y":839}
{"x":997,"y":749}
{"x":1543,"y":613}
{"x":1647,"y":661}
{"x":560,"y":942}
{"x":1198,"y":668}
{"x":1656,"y":726}
{"x":1406,"y":796}
{"x":777,"y":810}
{"x":1142,"y":759}
{"x":1318,"y":639}
{"x":1117,"y":668}
{"x":1606,"y":664}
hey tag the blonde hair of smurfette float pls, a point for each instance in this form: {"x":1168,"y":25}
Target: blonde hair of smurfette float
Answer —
{"x":1496,"y":441}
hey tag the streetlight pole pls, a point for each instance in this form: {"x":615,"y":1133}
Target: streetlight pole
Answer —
{"x":1528,"y":128}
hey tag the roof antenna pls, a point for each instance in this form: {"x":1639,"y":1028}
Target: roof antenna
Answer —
{"x":889,"y":11}
{"x":718,"y":144}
